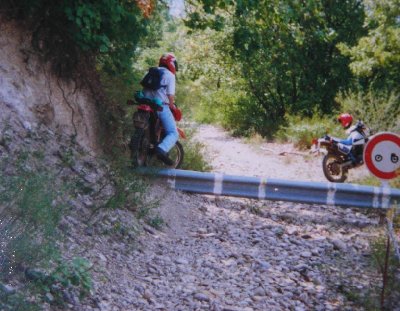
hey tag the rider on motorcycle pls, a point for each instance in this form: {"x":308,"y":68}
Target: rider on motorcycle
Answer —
{"x":166,"y":94}
{"x":357,"y":136}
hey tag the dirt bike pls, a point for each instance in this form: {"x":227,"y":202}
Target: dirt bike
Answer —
{"x":340,"y":158}
{"x":149,"y":132}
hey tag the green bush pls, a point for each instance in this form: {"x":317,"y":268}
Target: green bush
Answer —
{"x":30,"y":214}
{"x":392,"y":288}
{"x":235,"y":111}
{"x":194,"y":159}
{"x":30,"y":211}
{"x":300,"y":131}
{"x":379,"y":110}
{"x":129,"y":188}
{"x":66,"y":32}
{"x":72,"y":276}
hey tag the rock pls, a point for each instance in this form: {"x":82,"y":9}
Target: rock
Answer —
{"x":306,"y":254}
{"x":315,"y":252}
{"x":148,"y":295}
{"x":7,"y":289}
{"x":35,"y":274}
{"x":292,"y":231}
{"x":301,"y":267}
{"x":149,"y":229}
{"x":49,"y":297}
{"x":339,"y":245}
{"x":181,"y":261}
{"x":259,"y":291}
{"x":263,"y":265}
{"x":102,"y":257}
{"x":200,"y":296}
{"x":70,"y":298}
{"x":89,"y":231}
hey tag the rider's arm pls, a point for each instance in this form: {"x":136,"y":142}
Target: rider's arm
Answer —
{"x":171,"y":89}
{"x":171,"y":99}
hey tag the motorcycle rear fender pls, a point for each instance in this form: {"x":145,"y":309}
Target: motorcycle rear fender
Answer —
{"x":141,"y":119}
{"x":146,"y":108}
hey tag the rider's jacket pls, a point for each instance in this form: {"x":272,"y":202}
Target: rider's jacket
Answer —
{"x":357,"y":135}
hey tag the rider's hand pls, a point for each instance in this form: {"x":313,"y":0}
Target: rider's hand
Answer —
{"x":172,"y":106}
{"x":177,"y":113}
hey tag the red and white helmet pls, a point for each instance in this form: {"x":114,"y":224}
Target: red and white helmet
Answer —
{"x":345,"y":119}
{"x":168,"y":60}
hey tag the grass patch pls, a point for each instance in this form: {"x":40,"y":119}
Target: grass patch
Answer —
{"x":300,"y":131}
{"x":31,"y":207}
{"x":194,"y":155}
{"x":392,"y":288}
{"x":29,"y":218}
{"x":376,"y":182}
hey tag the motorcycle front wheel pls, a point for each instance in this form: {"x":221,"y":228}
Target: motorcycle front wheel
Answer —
{"x":139,"y":146}
{"x":332,"y":169}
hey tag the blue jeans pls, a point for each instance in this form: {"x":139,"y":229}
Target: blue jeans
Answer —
{"x":169,"y":124}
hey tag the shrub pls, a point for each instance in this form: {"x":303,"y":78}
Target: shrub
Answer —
{"x":30,"y":214}
{"x":194,"y":159}
{"x":392,"y":286}
{"x":380,"y":111}
{"x":70,"y":276}
{"x":30,"y":211}
{"x":300,"y":131}
{"x":65,"y":32}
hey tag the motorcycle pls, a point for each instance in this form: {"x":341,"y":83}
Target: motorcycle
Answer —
{"x":339,"y":158}
{"x":149,"y":132}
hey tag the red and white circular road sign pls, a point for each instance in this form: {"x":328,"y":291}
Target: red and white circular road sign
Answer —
{"x":382,"y":155}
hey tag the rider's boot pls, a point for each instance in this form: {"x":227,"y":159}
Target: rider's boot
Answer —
{"x":352,"y":158}
{"x":163,"y":156}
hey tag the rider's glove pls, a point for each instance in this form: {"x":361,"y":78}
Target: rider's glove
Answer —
{"x":177,"y":113}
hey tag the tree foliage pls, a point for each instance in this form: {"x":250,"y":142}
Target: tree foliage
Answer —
{"x":286,"y":50}
{"x":375,"y":62}
{"x":376,"y":56}
{"x":67,"y":31}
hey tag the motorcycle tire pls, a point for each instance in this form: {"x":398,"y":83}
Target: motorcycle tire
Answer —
{"x":176,"y":154}
{"x":139,"y":147}
{"x":332,"y":170}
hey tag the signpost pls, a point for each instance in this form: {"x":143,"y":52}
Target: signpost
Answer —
{"x":382,"y":155}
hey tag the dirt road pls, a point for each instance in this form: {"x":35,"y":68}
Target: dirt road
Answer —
{"x":218,"y":253}
{"x":232,"y":156}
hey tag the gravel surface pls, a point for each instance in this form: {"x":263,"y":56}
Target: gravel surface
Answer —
{"x":219,"y":253}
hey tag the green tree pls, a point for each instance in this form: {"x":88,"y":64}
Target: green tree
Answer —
{"x":375,"y":61}
{"x":286,"y":51}
{"x":376,"y":56}
{"x":71,"y":33}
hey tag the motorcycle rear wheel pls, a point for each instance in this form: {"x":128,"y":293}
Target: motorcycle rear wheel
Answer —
{"x":176,"y":154}
{"x":139,"y":146}
{"x":332,"y":169}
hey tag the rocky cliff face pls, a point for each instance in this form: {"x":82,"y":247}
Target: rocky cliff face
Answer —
{"x":31,"y":97}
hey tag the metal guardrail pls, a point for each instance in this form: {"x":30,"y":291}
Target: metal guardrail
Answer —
{"x":336,"y":194}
